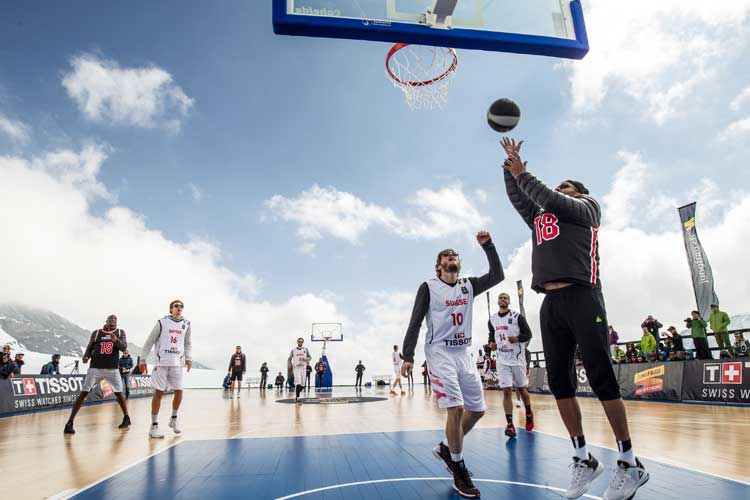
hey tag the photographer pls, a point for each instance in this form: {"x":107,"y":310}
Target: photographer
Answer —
{"x":697,"y":327}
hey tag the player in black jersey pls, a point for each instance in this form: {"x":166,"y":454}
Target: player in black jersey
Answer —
{"x":104,"y":351}
{"x":565,"y":267}
{"x":237,"y":368}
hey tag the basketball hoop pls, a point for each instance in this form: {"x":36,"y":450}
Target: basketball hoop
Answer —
{"x":422,"y":73}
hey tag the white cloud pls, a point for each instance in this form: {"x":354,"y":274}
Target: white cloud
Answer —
{"x":741,"y":127}
{"x":645,"y":271}
{"x":195,"y":193}
{"x":16,"y":131}
{"x":321,"y":211}
{"x":59,"y":254}
{"x":145,"y":97}
{"x":658,"y":53}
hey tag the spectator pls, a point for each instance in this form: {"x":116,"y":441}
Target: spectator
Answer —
{"x":725,"y":355}
{"x":426,"y":374}
{"x":674,"y":336}
{"x":698,"y":331}
{"x":320,"y":369}
{"x":126,"y":364}
{"x":360,"y":369}
{"x":653,"y":326}
{"x":719,"y":320}
{"x":53,"y":367}
{"x":640,"y":359}
{"x":279,"y":381}
{"x":648,"y":342}
{"x":741,"y":345}
{"x":619,"y":353}
{"x":290,"y":378}
{"x":7,"y":366}
{"x":613,"y":340}
{"x":6,"y":349}
{"x":631,"y":351}
{"x":622,"y":359}
{"x":227,"y":383}
{"x":263,"y":375}
{"x":308,"y":371}
{"x":687,"y":355}
{"x":19,"y":362}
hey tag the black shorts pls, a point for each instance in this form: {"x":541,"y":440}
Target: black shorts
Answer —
{"x":572,"y":316}
{"x":236,"y":376}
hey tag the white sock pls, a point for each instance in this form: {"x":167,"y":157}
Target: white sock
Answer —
{"x":626,"y":452}
{"x":154,"y":419}
{"x":445,"y":441}
{"x":457,"y":457}
{"x":579,"y":444}
{"x":174,"y":413}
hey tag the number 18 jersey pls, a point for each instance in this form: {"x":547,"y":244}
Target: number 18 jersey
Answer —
{"x":449,"y":315}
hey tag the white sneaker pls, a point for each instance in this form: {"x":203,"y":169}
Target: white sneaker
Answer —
{"x":175,"y":425}
{"x":626,"y":481}
{"x":517,"y":404}
{"x":155,"y":432}
{"x":584,"y":473}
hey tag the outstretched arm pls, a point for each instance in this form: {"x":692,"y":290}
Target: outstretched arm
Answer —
{"x":526,"y":208}
{"x":421,"y":303}
{"x":495,"y":275}
{"x":583,"y":209}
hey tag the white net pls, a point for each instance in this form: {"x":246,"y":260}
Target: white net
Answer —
{"x":423,"y":74}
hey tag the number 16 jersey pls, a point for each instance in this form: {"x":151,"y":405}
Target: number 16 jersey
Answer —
{"x":449,"y":313}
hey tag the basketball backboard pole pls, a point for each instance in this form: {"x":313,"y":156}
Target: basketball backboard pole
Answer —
{"x":441,"y":14}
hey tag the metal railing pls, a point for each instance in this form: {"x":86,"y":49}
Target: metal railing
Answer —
{"x":537,"y":357}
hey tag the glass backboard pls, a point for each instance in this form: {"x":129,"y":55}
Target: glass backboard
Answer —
{"x":540,"y":27}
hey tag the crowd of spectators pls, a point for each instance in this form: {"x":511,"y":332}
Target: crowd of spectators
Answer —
{"x":655,"y":346}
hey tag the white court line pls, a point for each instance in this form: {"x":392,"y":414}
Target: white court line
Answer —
{"x":657,"y":460}
{"x":401,"y":479}
{"x":70,"y":493}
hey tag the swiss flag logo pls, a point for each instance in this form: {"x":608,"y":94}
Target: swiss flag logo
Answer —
{"x":731,"y":373}
{"x":29,"y":387}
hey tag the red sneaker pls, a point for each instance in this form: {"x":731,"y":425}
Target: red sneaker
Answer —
{"x":530,"y":422}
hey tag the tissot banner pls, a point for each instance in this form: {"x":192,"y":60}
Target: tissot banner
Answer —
{"x":725,"y":381}
{"x":34,"y":392}
{"x":700,"y":269}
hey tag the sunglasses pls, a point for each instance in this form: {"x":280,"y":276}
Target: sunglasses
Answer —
{"x":449,"y":253}
{"x":179,"y":306}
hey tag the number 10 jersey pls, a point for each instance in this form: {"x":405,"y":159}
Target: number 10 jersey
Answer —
{"x":449,"y":315}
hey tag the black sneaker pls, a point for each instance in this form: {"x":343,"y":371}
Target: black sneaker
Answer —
{"x":462,"y":482}
{"x":69,"y":428}
{"x":125,"y":422}
{"x":443,"y":453}
{"x":510,"y":431}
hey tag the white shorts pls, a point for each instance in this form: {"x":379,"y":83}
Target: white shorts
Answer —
{"x":454,"y":378}
{"x":166,"y":377}
{"x":96,"y":375}
{"x":300,"y":375}
{"x":396,"y":371}
{"x":512,"y":376}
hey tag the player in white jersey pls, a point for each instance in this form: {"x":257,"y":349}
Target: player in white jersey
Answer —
{"x":509,"y":336}
{"x":298,"y":360}
{"x":171,"y":341}
{"x":398,"y":360}
{"x":446,"y":303}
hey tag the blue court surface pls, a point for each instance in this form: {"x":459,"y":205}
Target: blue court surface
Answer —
{"x":393,"y":465}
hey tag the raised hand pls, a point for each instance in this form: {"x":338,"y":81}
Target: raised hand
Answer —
{"x":483,"y":237}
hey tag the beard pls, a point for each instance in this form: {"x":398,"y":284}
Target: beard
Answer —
{"x":452,"y":267}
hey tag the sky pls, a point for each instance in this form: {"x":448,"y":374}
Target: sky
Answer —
{"x":151,"y":151}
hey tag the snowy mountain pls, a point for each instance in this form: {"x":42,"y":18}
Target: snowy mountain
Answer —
{"x":40,"y":331}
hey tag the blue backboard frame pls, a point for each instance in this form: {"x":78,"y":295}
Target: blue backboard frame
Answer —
{"x":395,"y":32}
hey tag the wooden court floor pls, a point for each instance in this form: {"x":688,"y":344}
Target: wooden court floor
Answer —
{"x":43,"y":463}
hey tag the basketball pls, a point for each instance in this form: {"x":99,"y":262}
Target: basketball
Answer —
{"x":503,"y":115}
